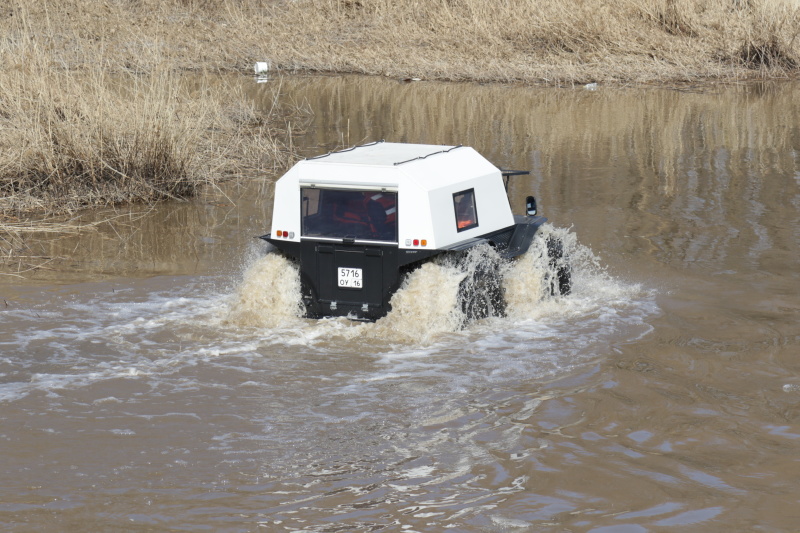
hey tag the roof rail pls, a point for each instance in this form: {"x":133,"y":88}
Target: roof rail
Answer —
{"x":508,"y":173}
{"x":432,"y":153}
{"x":345,"y":150}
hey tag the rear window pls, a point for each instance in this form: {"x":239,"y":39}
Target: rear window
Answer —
{"x":337,"y":213}
{"x":466,"y":214}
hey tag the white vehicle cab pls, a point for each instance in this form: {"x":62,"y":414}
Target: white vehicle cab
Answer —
{"x":358,"y":219}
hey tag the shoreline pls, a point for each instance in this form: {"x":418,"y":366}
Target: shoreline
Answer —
{"x":547,"y":42}
{"x":68,"y":123}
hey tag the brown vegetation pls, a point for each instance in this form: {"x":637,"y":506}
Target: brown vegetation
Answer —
{"x":540,"y":41}
{"x":95,"y":107}
{"x":535,"y":41}
{"x":75,"y":139}
{"x":90,"y":133}
{"x":80,"y":128}
{"x":92,"y":110}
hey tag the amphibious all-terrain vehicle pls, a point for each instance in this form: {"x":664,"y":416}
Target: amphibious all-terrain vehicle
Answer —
{"x":358,"y":219}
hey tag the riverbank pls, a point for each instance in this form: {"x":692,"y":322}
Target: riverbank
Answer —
{"x":81,"y":126}
{"x":94,"y":112}
{"x":72,"y":140}
{"x":96,"y":109}
{"x":554,"y":42}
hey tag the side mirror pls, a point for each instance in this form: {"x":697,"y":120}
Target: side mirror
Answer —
{"x":530,"y":206}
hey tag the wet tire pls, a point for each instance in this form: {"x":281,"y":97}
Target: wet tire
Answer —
{"x":561,"y":283}
{"x":481,"y":293}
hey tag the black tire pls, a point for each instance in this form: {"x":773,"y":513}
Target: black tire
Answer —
{"x":561,"y":284}
{"x":481,"y":293}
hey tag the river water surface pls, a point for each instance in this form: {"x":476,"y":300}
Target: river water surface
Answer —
{"x":154,"y":376}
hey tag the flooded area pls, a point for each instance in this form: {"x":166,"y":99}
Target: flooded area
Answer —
{"x":155,"y":376}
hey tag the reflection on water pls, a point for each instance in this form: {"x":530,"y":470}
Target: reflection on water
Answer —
{"x":669,"y":165}
{"x":662,"y":394}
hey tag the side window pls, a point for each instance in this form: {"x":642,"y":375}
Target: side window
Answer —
{"x":466,"y":214}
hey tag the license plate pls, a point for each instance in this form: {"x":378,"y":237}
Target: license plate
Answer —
{"x":350,"y":278}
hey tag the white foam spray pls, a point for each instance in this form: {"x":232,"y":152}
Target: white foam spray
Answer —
{"x":530,"y":278}
{"x":269,"y":295}
{"x":428,"y":305}
{"x":425,"y":306}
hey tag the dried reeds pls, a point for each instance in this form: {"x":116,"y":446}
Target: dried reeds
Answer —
{"x":770,"y":38}
{"x":93,"y":112}
{"x":88,"y":132}
{"x":81,"y":125}
{"x":70,"y":140}
{"x":535,"y":41}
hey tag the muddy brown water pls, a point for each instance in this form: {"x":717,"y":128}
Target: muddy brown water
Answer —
{"x":153,"y":377}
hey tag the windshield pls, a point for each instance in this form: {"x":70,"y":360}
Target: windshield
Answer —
{"x":336,"y":213}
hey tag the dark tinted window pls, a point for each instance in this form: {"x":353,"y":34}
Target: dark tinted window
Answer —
{"x":337,"y":213}
{"x":466,"y":214}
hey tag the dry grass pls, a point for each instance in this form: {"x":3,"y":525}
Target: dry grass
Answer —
{"x":534,"y":41}
{"x":550,"y":41}
{"x":96,"y":107}
{"x":68,"y":140}
{"x":80,"y":127}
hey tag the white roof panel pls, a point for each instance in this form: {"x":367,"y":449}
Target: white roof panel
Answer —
{"x":381,"y":154}
{"x":423,"y":166}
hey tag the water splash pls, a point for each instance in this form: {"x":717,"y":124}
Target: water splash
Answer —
{"x":430,"y":302}
{"x":269,"y":295}
{"x":425,"y":306}
{"x":530,"y":279}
